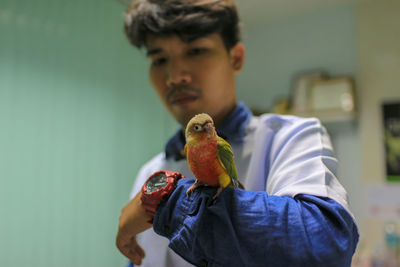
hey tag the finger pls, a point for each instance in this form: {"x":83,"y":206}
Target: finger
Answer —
{"x":139,"y":250}
{"x":132,"y":250}
{"x":135,"y":257}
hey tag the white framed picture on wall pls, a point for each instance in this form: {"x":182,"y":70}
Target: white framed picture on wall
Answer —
{"x":333,"y":95}
{"x":300,"y":102}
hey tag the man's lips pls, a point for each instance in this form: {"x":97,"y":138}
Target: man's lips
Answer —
{"x":181,"y":95}
{"x":182,"y":99}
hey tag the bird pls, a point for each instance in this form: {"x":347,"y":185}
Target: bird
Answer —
{"x":209,"y":156}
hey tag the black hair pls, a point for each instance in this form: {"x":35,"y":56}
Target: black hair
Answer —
{"x":189,"y":19}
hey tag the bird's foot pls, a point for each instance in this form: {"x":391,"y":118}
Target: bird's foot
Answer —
{"x":219,"y":191}
{"x":196,"y":184}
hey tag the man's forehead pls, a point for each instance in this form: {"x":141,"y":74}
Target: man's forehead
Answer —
{"x":155,"y":43}
{"x":156,"y":40}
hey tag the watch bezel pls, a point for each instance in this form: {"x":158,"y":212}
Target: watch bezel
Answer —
{"x":171,"y":180}
{"x":164,"y":183}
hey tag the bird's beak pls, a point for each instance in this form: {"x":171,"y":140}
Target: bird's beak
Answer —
{"x":208,"y":127}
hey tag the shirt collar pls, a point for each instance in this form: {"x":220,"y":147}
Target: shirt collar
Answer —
{"x":232,"y":129}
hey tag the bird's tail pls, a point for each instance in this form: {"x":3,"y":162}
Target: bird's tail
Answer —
{"x":241,"y":186}
{"x":237,"y":184}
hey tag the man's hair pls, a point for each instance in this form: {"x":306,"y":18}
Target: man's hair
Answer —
{"x":189,"y":19}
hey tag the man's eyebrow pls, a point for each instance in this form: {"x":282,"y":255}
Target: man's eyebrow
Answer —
{"x":153,"y":51}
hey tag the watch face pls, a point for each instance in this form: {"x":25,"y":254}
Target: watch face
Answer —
{"x":156,"y":182}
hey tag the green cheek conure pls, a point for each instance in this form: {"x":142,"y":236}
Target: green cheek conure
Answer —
{"x":209,"y":156}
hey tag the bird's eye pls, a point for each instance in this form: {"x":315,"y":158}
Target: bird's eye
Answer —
{"x":197,"y":128}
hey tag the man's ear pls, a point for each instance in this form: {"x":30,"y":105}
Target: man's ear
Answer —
{"x":237,"y":57}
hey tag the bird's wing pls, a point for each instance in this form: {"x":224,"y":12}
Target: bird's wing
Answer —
{"x":225,"y":156}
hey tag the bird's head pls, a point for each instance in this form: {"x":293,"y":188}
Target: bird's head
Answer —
{"x":199,"y":127}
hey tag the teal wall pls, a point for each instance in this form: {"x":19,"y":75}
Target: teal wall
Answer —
{"x":75,"y":109}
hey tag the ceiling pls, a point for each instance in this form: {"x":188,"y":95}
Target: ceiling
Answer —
{"x":256,"y":11}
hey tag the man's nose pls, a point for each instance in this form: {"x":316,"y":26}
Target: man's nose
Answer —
{"x":178,"y":73}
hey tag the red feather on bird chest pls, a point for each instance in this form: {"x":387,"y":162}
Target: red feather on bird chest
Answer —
{"x":204,"y":163}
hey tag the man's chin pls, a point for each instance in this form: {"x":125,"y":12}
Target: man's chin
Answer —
{"x":184,"y":118}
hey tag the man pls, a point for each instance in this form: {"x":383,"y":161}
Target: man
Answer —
{"x":294,"y":212}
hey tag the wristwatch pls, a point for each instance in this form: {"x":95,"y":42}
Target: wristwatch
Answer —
{"x":158,"y":187}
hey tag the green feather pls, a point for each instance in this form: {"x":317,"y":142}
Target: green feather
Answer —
{"x":225,"y":155}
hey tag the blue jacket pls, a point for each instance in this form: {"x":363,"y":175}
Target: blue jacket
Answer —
{"x":250,"y":228}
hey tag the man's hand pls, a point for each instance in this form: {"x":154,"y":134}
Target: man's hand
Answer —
{"x":132,"y":221}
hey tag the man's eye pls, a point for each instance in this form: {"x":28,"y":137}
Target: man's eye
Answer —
{"x":158,"y":61}
{"x":196,"y":51}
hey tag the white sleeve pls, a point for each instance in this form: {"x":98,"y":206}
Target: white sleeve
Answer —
{"x":302,"y":161}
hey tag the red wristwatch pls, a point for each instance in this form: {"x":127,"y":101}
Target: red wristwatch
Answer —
{"x":157,"y":189}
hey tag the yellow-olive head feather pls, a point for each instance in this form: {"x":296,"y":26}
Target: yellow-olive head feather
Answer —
{"x":200,"y":126}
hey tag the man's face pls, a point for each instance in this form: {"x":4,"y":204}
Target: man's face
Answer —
{"x":194,"y":77}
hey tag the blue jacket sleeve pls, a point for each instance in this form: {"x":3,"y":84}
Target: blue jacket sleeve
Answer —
{"x":250,"y":228}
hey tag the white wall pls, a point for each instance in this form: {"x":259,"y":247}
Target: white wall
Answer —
{"x":378,"y":46}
